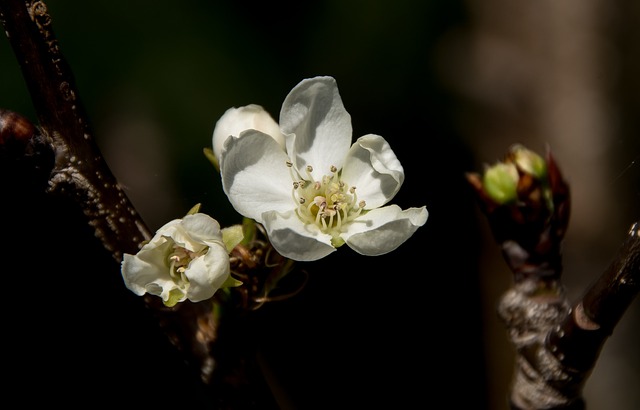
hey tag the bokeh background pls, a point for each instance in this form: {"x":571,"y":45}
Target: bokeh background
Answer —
{"x":449,"y":83}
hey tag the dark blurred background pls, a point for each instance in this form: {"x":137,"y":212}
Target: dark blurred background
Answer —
{"x":450,"y":84}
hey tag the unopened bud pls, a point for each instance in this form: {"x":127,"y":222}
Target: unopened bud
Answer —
{"x":500,"y":182}
{"x":529,"y":162}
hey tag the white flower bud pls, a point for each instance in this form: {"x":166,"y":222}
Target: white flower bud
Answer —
{"x":235,"y":120}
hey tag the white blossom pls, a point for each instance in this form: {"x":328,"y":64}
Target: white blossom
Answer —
{"x":319,"y":191}
{"x":186,"y":259}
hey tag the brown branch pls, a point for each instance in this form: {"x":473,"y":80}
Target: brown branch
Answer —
{"x":578,"y":341}
{"x":562,"y":345}
{"x":60,"y":158}
{"x":79,"y":171}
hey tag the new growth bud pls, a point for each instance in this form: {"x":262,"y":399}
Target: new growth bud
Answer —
{"x":526,"y":202}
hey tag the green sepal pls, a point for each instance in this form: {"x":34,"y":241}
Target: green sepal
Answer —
{"x":208,"y":152}
{"x":194,"y":210}
{"x":174,"y":297}
{"x":231,"y":282}
{"x":337,"y":242}
{"x":249,"y":229}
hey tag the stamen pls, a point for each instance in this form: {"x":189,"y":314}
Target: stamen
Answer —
{"x":309,"y":171}
{"x":355,"y":214}
{"x":292,"y":172}
{"x":172,"y":267}
{"x":309,"y":208}
{"x":293,"y":191}
{"x":328,"y":202}
{"x":339,"y":222}
{"x":178,"y":263}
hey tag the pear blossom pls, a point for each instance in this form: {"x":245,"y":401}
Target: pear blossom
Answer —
{"x":319,"y":191}
{"x":186,"y":259}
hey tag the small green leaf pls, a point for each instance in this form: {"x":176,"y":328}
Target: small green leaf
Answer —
{"x":500,"y":182}
{"x":231,"y":236}
{"x":529,"y":162}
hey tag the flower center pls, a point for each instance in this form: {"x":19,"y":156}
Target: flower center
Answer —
{"x":179,"y":261}
{"x":329,"y":203}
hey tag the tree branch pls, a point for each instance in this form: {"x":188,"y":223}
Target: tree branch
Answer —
{"x":579,"y":339}
{"x":60,"y":157}
{"x":79,"y":170}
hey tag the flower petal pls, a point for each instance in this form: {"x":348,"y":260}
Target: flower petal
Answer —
{"x":255,"y":176}
{"x":207,"y":274}
{"x":295,"y":240}
{"x":236,"y":120}
{"x":317,"y":126}
{"x":382,"y":230}
{"x":147,"y":271}
{"x":202,"y":228}
{"x":373,"y":168}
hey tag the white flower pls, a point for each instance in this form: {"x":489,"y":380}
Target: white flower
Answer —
{"x":186,"y":259}
{"x":320,"y":192}
{"x":236,"y":120}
